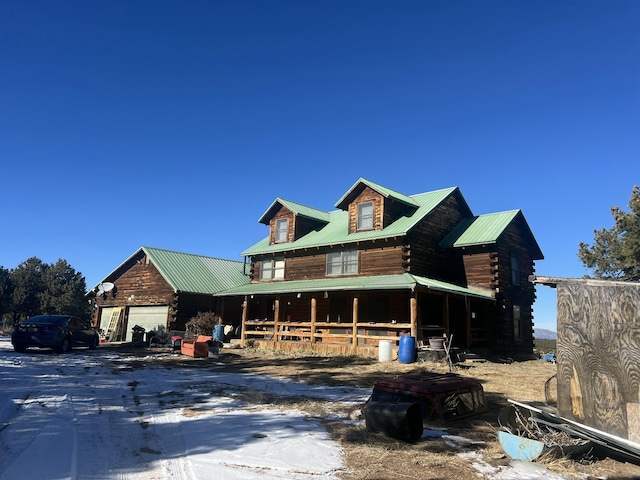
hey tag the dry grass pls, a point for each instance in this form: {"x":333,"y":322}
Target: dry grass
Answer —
{"x":373,"y":456}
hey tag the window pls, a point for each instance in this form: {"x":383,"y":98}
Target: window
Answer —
{"x":365,"y":216}
{"x":282,"y":230}
{"x":342,"y":263}
{"x":515,"y":270}
{"x":272,"y":269}
{"x":517,"y":330}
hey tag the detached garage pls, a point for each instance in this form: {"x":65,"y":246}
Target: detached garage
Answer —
{"x":160,"y":288}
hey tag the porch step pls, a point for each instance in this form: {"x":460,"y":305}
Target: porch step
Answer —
{"x":472,"y":357}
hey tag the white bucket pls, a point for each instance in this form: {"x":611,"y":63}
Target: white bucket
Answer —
{"x":384,"y":351}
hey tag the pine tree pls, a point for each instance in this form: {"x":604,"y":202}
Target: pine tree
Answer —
{"x":615,"y":253}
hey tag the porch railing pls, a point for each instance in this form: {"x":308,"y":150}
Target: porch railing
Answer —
{"x":361,"y":333}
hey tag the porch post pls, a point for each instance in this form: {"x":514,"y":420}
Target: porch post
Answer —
{"x":276,"y":318}
{"x":354,"y":329}
{"x":245,"y":308}
{"x":413,"y":307}
{"x":313,"y":318}
{"x":446,"y":314}
{"x":221,"y":312}
{"x":467,"y":302}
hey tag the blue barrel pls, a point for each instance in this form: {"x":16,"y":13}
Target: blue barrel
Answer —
{"x":407,"y":352}
{"x":218,"y":333}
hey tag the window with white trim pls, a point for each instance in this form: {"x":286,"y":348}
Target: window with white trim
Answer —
{"x":365,"y":216}
{"x":282,"y":230}
{"x":272,"y":269}
{"x":342,"y":263}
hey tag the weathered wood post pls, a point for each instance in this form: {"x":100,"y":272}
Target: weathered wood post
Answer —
{"x":468,"y":309}
{"x":354,"y":329}
{"x":243,"y":334}
{"x":276,"y":319}
{"x":413,"y":304}
{"x":313,"y":318}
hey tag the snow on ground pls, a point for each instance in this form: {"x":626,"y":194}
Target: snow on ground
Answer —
{"x":103,"y":415}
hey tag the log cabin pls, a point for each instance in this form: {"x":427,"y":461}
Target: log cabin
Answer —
{"x":158,"y":289}
{"x":385,"y":264}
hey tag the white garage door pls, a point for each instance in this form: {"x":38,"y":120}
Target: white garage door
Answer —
{"x":148,"y":318}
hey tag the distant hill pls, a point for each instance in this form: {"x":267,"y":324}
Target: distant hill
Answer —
{"x":542,"y":334}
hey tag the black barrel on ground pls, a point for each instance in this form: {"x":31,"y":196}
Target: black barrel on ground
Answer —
{"x":400,"y":420}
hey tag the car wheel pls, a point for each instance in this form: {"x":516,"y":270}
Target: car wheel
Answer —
{"x":65,"y":346}
{"x":20,"y":348}
{"x":94,"y":343}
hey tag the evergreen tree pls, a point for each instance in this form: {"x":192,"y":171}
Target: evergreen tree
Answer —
{"x":5,"y":293}
{"x":36,"y":288}
{"x":27,"y":287}
{"x":64,"y":291}
{"x":615,"y":253}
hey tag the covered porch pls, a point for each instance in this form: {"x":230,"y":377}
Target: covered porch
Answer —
{"x":350,"y":316}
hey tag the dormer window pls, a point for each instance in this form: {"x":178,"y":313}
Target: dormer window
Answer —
{"x":365,"y":216}
{"x":282,"y":230}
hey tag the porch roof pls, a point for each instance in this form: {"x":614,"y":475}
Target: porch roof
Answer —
{"x":382,"y":282}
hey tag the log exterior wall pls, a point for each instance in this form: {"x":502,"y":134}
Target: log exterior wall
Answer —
{"x":139,"y":283}
{"x":517,"y":334}
{"x":376,"y":260}
{"x":427,"y":258}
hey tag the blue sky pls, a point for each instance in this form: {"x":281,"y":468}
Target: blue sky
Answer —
{"x":176,"y":124}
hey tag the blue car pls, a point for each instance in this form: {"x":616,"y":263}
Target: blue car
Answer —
{"x":59,"y":332}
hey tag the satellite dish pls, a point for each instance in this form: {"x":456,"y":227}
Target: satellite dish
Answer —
{"x":104,"y":287}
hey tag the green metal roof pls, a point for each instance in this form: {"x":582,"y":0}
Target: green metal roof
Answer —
{"x":483,"y":229}
{"x":487,"y":229}
{"x":336,"y":232}
{"x":402,"y":281}
{"x":186,"y":272}
{"x":385,"y":192}
{"x":296,"y":208}
{"x":190,"y":273}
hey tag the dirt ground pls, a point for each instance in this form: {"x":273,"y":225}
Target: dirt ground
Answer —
{"x":374,"y":456}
